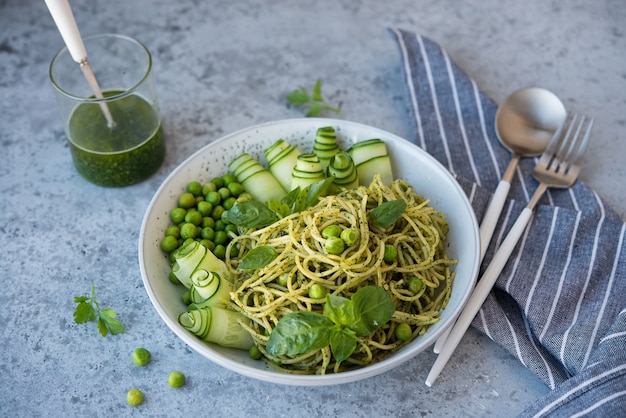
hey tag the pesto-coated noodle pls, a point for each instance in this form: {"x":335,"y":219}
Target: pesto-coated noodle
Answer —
{"x":265,"y":295}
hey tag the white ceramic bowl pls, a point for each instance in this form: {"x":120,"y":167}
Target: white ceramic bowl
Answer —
{"x":429,"y":178}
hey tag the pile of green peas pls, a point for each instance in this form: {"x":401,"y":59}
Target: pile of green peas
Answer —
{"x":200,"y":212}
{"x":337,"y":239}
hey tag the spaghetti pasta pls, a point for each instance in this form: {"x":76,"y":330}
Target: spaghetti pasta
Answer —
{"x":266,"y":294}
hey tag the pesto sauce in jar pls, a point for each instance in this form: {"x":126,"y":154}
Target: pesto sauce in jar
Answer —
{"x":128,"y":153}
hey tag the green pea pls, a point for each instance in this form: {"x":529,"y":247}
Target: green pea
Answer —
{"x":220,"y":237}
{"x":207,"y":233}
{"x":141,"y":356}
{"x":169,"y":243}
{"x":218,"y":181}
{"x":207,"y":221}
{"x":173,"y":278}
{"x":177,"y":215}
{"x":134,"y":397}
{"x":244,"y":197}
{"x":255,"y":353}
{"x":220,"y":225}
{"x":209,"y":245}
{"x":403,"y":332}
{"x":219,"y":251}
{"x":214,"y":198}
{"x":236,"y":189}
{"x":390,"y":253}
{"x":331,"y":231}
{"x":193,"y":217}
{"x":224,"y":193}
{"x":317,"y":291}
{"x":334,"y":245}
{"x":176,"y":379}
{"x":186,"y":297}
{"x":172,"y":231}
{"x":230,"y":228}
{"x":199,"y":199}
{"x":217,"y":212}
{"x":208,"y":187}
{"x":234,"y":250}
{"x":194,"y":188}
{"x":205,"y":208}
{"x":348,"y":236}
{"x":283,"y":279}
{"x":187,"y":200}
{"x":415,"y":285}
{"x":229,"y":202}
{"x":229,"y":178}
{"x":188,"y":230}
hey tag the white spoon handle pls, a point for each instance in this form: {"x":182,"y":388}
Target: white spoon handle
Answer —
{"x":487,"y":226}
{"x":64,"y":19}
{"x":483,"y":287}
{"x":492,"y":214}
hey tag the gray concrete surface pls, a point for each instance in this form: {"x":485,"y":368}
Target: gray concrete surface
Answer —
{"x":223,"y":66}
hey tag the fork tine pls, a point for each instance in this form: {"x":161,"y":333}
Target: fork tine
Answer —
{"x":556,"y":143}
{"x":568,"y":146}
{"x":581,"y":145}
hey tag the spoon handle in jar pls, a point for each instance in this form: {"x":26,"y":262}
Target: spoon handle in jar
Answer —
{"x":64,"y":19}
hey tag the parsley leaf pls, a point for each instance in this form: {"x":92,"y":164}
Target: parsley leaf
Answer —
{"x":88,"y":309}
{"x":313,"y":101}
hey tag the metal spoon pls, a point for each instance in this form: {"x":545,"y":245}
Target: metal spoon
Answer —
{"x":525,"y":122}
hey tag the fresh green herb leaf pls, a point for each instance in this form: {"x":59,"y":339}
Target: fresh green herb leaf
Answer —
{"x":250,"y":214}
{"x":314,"y":101}
{"x":107,"y":316}
{"x":84,"y":312}
{"x":279,"y":208}
{"x":290,"y":198}
{"x":299,"y":332}
{"x":387,"y":213}
{"x":299,"y":97}
{"x":339,"y":309}
{"x":88,"y":309}
{"x":373,"y":308}
{"x":317,"y":190}
{"x":258,"y":257}
{"x":343,"y":321}
{"x":342,"y":343}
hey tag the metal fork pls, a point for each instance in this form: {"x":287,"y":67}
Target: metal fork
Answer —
{"x":558,"y":167}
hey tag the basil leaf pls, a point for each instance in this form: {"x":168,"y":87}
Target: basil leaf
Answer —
{"x":373,"y":308}
{"x":279,"y":208}
{"x":299,"y":202}
{"x":317,"y":190}
{"x":342,"y":343}
{"x":291,"y":197}
{"x":387,"y":213}
{"x":299,"y":333}
{"x":258,"y":257}
{"x":250,"y":214}
{"x":339,"y":309}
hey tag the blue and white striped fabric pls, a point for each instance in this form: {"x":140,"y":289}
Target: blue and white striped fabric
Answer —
{"x":559,"y":306}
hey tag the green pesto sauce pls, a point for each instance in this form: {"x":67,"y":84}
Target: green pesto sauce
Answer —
{"x":123,"y":155}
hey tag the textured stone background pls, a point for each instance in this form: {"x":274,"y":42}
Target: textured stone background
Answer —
{"x":222,"y":66}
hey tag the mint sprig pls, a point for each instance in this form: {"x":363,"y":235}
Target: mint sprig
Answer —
{"x":88,"y":309}
{"x":314,"y":101}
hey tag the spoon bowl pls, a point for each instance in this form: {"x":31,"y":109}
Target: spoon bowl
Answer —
{"x":527,"y":119}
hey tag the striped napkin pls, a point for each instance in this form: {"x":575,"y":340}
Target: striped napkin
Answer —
{"x":559,"y":305}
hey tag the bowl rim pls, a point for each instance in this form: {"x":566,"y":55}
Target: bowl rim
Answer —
{"x":273,"y":376}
